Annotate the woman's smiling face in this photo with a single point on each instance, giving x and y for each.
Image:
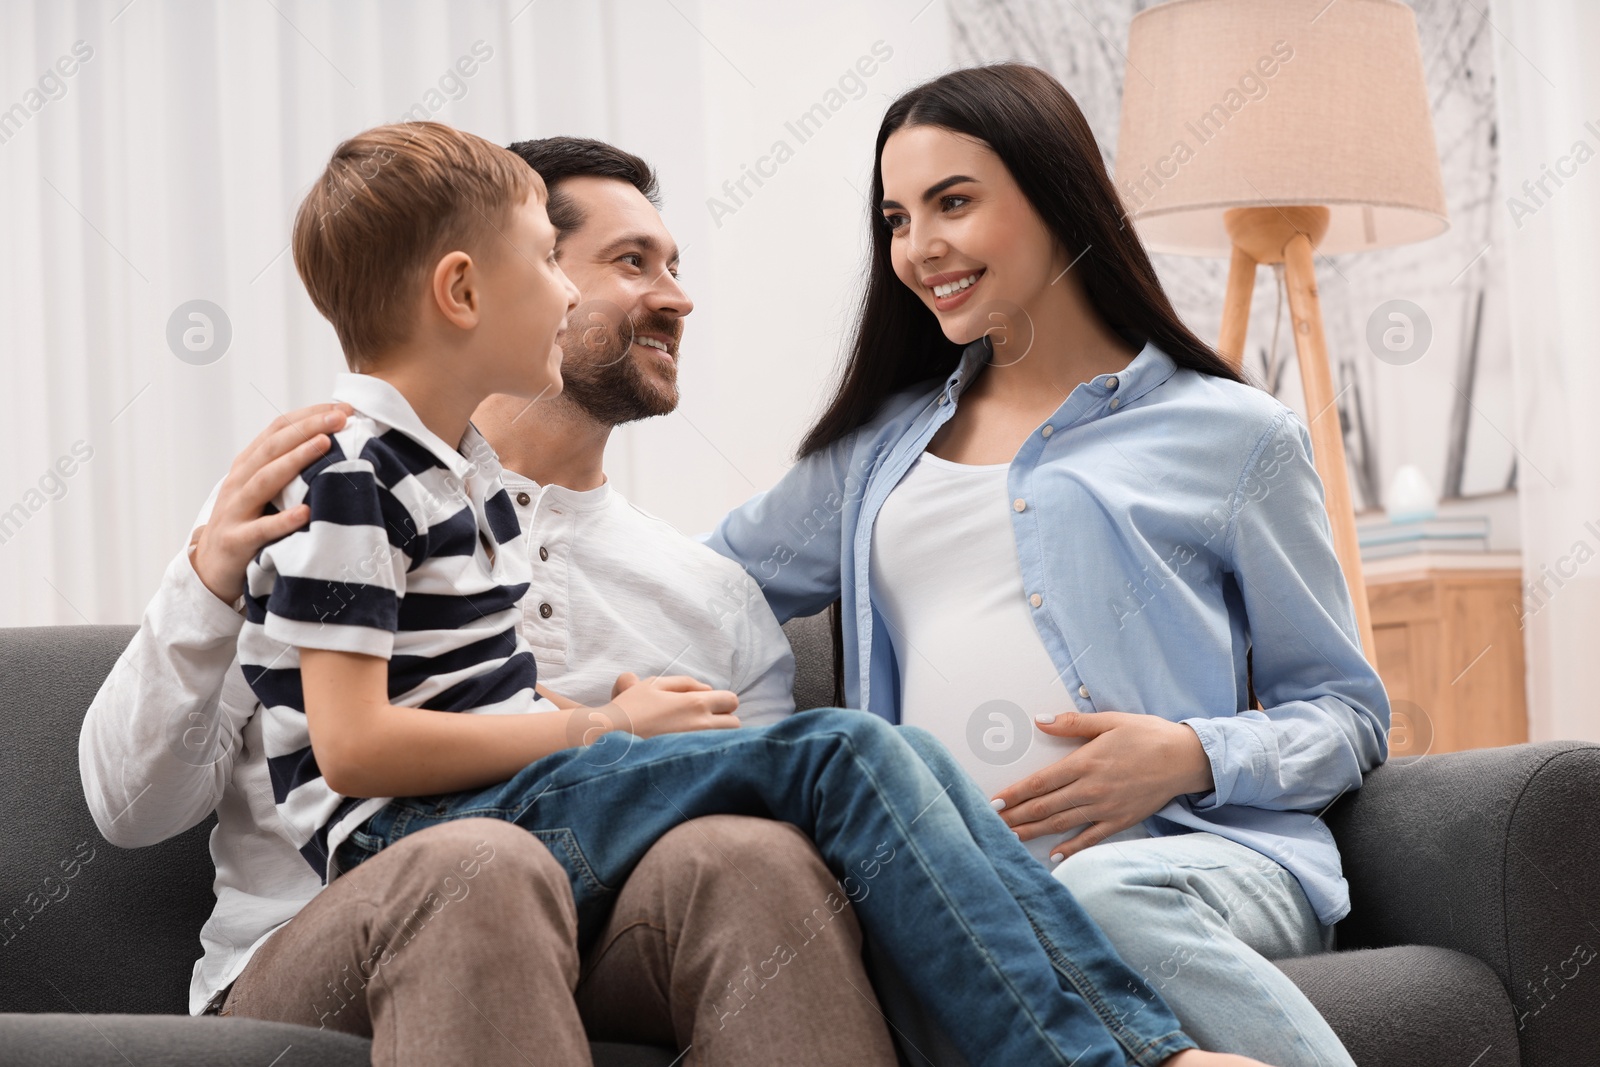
(964, 237)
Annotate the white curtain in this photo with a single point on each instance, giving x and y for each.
(1549, 91)
(161, 162)
(166, 167)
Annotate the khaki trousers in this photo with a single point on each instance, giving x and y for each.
(458, 945)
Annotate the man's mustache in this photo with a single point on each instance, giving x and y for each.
(600, 327)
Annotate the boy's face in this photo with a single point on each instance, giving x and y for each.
(526, 300)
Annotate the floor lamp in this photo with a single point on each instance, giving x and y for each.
(1275, 131)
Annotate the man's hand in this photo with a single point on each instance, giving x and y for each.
(663, 705)
(237, 529)
(1131, 766)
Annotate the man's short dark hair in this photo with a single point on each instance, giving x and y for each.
(559, 158)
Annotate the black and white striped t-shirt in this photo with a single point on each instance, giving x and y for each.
(413, 553)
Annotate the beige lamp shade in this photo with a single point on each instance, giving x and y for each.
(1255, 103)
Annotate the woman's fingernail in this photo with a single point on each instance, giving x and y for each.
(1045, 718)
(1055, 858)
(997, 804)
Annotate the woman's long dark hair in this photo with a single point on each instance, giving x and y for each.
(1036, 129)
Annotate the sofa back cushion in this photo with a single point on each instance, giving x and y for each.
(812, 640)
(84, 926)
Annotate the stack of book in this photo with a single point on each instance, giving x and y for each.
(1382, 539)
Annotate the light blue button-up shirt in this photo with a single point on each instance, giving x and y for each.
(1166, 522)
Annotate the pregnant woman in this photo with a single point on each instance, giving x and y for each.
(1066, 538)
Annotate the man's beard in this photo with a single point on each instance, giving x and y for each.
(600, 373)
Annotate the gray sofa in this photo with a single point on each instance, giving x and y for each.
(1474, 940)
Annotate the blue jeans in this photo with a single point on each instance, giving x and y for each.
(1202, 917)
(986, 938)
(1198, 916)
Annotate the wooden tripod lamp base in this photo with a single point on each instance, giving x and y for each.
(1288, 235)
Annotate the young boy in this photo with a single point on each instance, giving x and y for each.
(404, 589)
(430, 252)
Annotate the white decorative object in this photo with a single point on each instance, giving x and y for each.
(1410, 498)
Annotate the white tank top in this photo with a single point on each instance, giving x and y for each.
(973, 671)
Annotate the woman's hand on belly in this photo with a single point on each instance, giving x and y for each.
(1127, 770)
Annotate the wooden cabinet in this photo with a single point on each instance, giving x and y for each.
(1448, 642)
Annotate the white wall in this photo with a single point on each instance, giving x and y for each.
(1549, 103)
(168, 165)
(775, 279)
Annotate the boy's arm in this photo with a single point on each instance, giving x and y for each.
(564, 703)
(367, 747)
(158, 743)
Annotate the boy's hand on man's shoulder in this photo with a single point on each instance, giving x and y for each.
(670, 704)
(237, 529)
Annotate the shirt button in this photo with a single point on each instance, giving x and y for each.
(544, 553)
(1019, 504)
(1083, 691)
(1036, 600)
(1111, 382)
(1115, 403)
(545, 611)
(1048, 430)
(523, 499)
(944, 398)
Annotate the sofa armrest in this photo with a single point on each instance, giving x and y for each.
(1494, 853)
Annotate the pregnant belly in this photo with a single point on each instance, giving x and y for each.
(998, 745)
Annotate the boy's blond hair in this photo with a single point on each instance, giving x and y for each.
(390, 203)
